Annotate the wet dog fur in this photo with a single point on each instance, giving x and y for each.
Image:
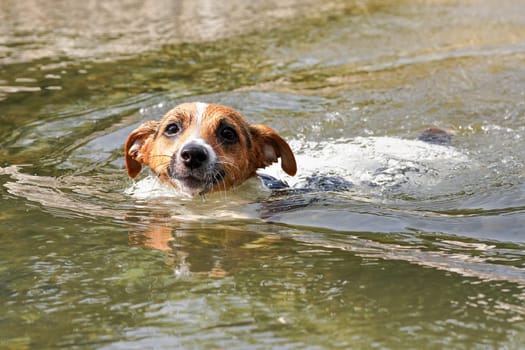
(199, 148)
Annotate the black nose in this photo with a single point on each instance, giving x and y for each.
(193, 156)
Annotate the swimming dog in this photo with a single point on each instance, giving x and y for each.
(199, 148)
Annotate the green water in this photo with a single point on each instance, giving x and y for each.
(83, 264)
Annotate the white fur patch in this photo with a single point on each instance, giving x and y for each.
(201, 108)
(195, 137)
(383, 162)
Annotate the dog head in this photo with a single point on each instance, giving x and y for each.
(199, 148)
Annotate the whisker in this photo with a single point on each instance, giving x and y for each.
(224, 189)
(223, 180)
(218, 179)
(161, 155)
(224, 192)
(161, 168)
(230, 164)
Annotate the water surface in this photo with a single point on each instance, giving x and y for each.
(434, 262)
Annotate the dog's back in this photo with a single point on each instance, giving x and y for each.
(380, 163)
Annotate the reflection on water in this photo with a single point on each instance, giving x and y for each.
(93, 29)
(425, 248)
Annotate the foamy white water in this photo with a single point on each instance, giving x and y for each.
(379, 162)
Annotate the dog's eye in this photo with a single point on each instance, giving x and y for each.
(172, 129)
(228, 134)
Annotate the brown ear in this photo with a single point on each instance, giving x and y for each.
(136, 146)
(273, 147)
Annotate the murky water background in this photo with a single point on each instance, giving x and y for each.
(435, 262)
